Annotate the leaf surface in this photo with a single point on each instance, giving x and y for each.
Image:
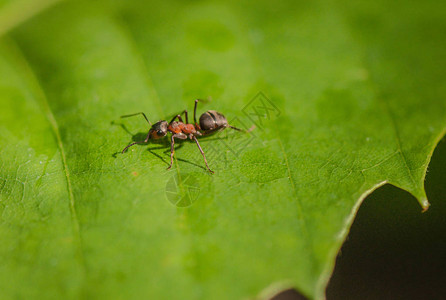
(351, 97)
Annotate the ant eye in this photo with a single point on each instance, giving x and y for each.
(160, 132)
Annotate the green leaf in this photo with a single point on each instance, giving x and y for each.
(355, 98)
(15, 12)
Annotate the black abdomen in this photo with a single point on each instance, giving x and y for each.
(212, 120)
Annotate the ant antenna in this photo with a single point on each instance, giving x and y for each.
(135, 114)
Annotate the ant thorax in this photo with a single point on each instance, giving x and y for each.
(176, 127)
(180, 127)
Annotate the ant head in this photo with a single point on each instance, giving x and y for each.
(212, 120)
(158, 130)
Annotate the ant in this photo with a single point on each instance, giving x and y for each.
(209, 122)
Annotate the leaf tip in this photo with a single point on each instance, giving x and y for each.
(424, 204)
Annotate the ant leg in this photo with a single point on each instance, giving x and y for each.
(235, 128)
(139, 113)
(195, 112)
(202, 153)
(139, 142)
(185, 115)
(179, 119)
(172, 151)
(242, 130)
(181, 136)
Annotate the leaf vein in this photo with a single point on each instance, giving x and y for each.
(43, 101)
(398, 140)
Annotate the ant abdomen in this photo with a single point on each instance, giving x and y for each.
(212, 121)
